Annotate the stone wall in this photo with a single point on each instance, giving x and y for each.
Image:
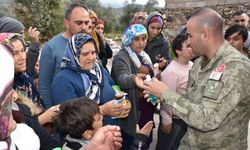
(176, 17)
(200, 3)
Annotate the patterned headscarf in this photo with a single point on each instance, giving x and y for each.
(92, 79)
(131, 32)
(6, 38)
(7, 76)
(156, 19)
(23, 82)
(128, 36)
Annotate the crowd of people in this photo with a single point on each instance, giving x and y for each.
(62, 96)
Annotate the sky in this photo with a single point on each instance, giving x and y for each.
(119, 3)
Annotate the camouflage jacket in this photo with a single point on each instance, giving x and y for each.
(217, 104)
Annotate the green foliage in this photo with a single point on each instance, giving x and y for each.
(5, 9)
(46, 15)
(128, 12)
(109, 18)
(130, 9)
(151, 6)
(104, 13)
(91, 4)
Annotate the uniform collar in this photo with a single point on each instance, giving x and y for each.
(208, 64)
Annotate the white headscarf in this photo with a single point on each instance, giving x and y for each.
(24, 138)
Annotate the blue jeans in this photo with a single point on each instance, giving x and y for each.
(172, 140)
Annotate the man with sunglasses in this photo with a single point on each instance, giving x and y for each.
(241, 17)
(76, 20)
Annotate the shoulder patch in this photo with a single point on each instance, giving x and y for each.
(218, 72)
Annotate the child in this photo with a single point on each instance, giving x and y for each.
(79, 119)
(172, 128)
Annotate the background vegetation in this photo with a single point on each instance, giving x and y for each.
(47, 15)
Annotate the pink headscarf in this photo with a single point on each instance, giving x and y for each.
(156, 19)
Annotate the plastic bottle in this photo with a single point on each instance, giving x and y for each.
(153, 99)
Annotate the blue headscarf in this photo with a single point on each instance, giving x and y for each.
(127, 38)
(131, 32)
(73, 50)
(92, 79)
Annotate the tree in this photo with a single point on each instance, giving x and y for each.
(94, 5)
(109, 17)
(46, 15)
(128, 12)
(150, 6)
(6, 9)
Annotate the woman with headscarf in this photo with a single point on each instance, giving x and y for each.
(11, 25)
(23, 80)
(7, 76)
(102, 53)
(24, 83)
(157, 46)
(107, 51)
(129, 66)
(81, 75)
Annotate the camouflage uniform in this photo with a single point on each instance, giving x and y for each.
(217, 104)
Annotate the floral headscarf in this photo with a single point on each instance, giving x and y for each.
(131, 32)
(128, 36)
(7, 76)
(6, 37)
(92, 79)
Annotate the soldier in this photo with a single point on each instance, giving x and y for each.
(216, 106)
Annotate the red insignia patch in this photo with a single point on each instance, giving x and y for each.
(220, 68)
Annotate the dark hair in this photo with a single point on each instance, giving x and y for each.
(76, 116)
(178, 41)
(16, 38)
(70, 8)
(239, 12)
(237, 28)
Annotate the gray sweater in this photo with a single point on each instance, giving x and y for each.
(123, 70)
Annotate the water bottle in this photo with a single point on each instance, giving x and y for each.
(153, 99)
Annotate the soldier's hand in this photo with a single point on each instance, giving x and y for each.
(154, 87)
(33, 35)
(166, 128)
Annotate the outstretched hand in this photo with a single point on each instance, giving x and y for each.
(146, 129)
(139, 79)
